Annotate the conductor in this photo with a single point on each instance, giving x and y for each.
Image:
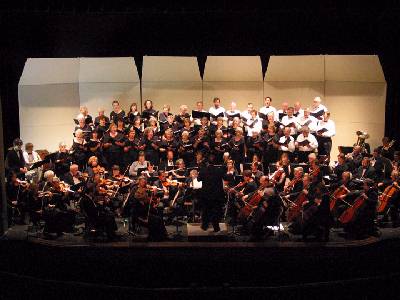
(212, 194)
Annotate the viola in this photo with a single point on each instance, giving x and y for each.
(349, 214)
(385, 197)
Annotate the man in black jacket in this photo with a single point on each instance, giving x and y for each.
(15, 161)
(212, 194)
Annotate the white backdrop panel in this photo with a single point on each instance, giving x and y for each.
(303, 91)
(240, 91)
(356, 106)
(173, 93)
(96, 95)
(46, 113)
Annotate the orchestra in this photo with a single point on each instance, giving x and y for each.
(252, 170)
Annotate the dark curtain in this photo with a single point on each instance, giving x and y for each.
(391, 68)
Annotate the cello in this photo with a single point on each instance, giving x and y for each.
(251, 204)
(295, 210)
(340, 191)
(349, 214)
(385, 197)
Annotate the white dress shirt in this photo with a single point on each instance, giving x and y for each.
(257, 125)
(216, 111)
(286, 120)
(330, 126)
(303, 120)
(266, 110)
(311, 146)
(290, 147)
(319, 108)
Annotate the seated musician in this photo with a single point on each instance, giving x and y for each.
(193, 191)
(150, 172)
(291, 121)
(57, 216)
(94, 204)
(393, 198)
(241, 194)
(16, 198)
(286, 143)
(92, 165)
(180, 172)
(362, 223)
(306, 143)
(283, 173)
(295, 186)
(255, 171)
(365, 170)
(73, 177)
(382, 165)
(314, 168)
(141, 163)
(387, 148)
(354, 158)
(341, 166)
(316, 219)
(325, 131)
(396, 161)
(307, 120)
(143, 211)
(167, 163)
(266, 213)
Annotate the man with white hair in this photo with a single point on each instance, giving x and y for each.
(307, 120)
(231, 113)
(298, 111)
(317, 109)
(306, 143)
(286, 143)
(283, 111)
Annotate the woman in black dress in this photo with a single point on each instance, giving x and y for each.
(150, 145)
(238, 149)
(112, 145)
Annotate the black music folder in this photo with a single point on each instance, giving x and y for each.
(200, 114)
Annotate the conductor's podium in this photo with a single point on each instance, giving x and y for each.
(196, 234)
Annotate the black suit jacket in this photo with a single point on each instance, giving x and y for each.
(213, 189)
(369, 173)
(13, 162)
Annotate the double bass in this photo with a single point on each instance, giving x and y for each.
(385, 197)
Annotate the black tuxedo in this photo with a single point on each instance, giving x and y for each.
(14, 161)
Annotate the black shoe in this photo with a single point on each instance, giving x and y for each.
(204, 228)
